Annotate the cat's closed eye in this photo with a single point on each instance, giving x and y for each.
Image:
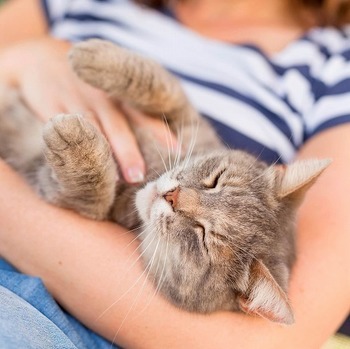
(212, 182)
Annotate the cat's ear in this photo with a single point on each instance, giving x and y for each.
(295, 179)
(264, 297)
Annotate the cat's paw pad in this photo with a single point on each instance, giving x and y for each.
(69, 138)
(64, 131)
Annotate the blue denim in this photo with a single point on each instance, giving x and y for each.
(31, 319)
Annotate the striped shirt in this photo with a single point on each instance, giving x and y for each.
(267, 105)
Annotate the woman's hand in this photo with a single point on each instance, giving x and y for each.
(40, 70)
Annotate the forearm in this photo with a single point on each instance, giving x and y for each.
(88, 263)
(87, 267)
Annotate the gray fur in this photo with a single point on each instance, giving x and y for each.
(216, 227)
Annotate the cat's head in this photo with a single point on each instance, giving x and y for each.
(219, 232)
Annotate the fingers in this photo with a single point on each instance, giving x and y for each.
(49, 87)
(56, 90)
(75, 103)
(72, 96)
(159, 128)
(122, 140)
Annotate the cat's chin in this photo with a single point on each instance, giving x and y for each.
(145, 198)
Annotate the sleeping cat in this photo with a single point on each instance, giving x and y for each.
(217, 227)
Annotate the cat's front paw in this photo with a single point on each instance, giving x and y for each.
(81, 165)
(67, 130)
(72, 142)
(95, 62)
(66, 138)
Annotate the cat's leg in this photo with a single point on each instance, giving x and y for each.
(80, 173)
(130, 77)
(20, 133)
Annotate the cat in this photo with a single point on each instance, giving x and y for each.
(217, 227)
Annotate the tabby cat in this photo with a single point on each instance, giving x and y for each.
(217, 226)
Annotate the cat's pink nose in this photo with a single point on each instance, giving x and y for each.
(171, 196)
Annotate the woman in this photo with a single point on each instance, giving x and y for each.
(290, 83)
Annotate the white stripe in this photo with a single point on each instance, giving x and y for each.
(240, 117)
(336, 70)
(298, 90)
(228, 73)
(331, 38)
(326, 109)
(301, 53)
(56, 8)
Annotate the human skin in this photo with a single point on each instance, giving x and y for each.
(84, 263)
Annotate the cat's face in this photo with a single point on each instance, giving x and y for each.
(207, 223)
(213, 214)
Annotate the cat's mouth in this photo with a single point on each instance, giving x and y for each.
(150, 202)
(145, 199)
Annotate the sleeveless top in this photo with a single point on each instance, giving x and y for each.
(267, 105)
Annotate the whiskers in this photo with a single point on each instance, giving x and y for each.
(186, 136)
(194, 136)
(169, 140)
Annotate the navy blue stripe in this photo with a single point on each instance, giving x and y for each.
(274, 118)
(285, 99)
(345, 327)
(46, 11)
(346, 54)
(335, 121)
(84, 37)
(261, 54)
(168, 12)
(324, 50)
(303, 69)
(88, 17)
(236, 140)
(339, 88)
(320, 89)
(78, 38)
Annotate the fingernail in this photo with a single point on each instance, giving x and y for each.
(135, 175)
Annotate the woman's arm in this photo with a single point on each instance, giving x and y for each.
(87, 267)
